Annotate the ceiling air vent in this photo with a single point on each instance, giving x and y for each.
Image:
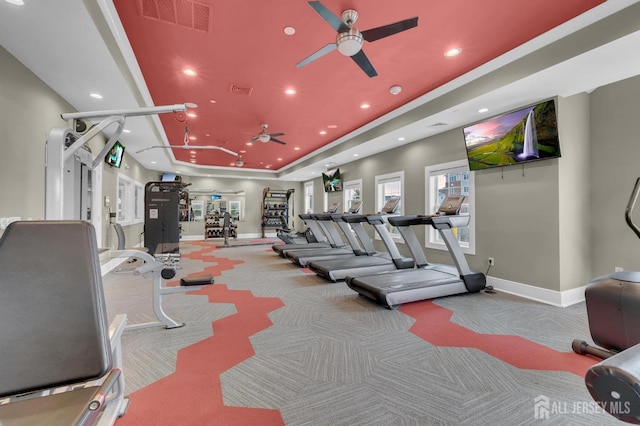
(440, 124)
(240, 90)
(185, 13)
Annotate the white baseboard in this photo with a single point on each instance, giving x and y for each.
(192, 238)
(550, 297)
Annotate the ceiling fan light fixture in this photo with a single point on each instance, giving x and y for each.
(264, 137)
(349, 42)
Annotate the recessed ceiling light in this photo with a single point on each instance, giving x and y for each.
(290, 91)
(153, 162)
(189, 72)
(192, 138)
(268, 166)
(212, 101)
(289, 30)
(453, 52)
(481, 110)
(16, 2)
(356, 155)
(192, 115)
(96, 95)
(279, 159)
(400, 138)
(323, 132)
(297, 148)
(126, 131)
(395, 89)
(332, 126)
(242, 151)
(365, 106)
(249, 143)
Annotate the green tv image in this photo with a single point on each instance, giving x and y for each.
(528, 134)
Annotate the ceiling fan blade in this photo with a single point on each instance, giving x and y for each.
(326, 49)
(377, 33)
(276, 134)
(337, 23)
(253, 139)
(363, 62)
(277, 141)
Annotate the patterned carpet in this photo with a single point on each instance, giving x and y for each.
(270, 343)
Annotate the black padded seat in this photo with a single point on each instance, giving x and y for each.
(54, 325)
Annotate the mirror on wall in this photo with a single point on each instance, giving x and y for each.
(218, 201)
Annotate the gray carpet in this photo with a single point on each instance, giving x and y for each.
(333, 358)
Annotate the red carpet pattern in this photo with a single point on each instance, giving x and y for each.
(194, 395)
(514, 350)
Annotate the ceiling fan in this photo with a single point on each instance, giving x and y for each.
(349, 39)
(187, 146)
(265, 136)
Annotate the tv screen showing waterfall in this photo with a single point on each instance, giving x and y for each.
(528, 134)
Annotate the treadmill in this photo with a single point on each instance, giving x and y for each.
(321, 237)
(303, 257)
(331, 238)
(428, 281)
(338, 269)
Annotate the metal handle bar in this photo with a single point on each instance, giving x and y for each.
(630, 205)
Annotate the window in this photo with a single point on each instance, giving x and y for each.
(234, 210)
(138, 215)
(130, 206)
(125, 200)
(390, 186)
(450, 179)
(308, 197)
(352, 193)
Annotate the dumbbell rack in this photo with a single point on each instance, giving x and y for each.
(213, 227)
(275, 208)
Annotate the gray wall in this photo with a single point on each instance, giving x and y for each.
(615, 165)
(28, 109)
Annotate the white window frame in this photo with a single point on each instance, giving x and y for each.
(348, 187)
(381, 179)
(236, 206)
(129, 209)
(431, 199)
(308, 196)
(138, 214)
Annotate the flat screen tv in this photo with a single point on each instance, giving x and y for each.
(528, 134)
(114, 157)
(168, 177)
(332, 180)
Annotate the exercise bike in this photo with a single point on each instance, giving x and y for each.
(613, 310)
(613, 305)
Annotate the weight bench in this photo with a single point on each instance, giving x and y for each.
(60, 362)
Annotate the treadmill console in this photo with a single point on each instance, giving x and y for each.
(451, 205)
(391, 206)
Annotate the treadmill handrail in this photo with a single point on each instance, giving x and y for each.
(354, 218)
(630, 206)
(448, 221)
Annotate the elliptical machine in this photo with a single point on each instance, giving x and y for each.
(613, 305)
